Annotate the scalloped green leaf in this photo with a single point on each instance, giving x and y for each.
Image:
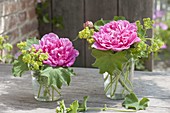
(107, 61)
(58, 76)
(19, 67)
(73, 107)
(131, 102)
(143, 103)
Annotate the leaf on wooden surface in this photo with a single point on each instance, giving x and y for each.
(131, 102)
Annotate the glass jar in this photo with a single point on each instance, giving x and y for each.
(118, 85)
(42, 91)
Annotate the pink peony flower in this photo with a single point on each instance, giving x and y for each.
(61, 51)
(116, 36)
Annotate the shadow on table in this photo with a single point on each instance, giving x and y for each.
(152, 84)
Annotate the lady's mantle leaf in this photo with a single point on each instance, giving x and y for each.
(73, 107)
(131, 102)
(143, 103)
(57, 76)
(107, 61)
(19, 67)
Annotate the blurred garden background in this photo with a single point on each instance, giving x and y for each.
(161, 15)
(22, 19)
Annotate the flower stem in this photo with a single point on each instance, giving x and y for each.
(39, 91)
(56, 90)
(124, 85)
(52, 94)
(110, 84)
(104, 109)
(116, 84)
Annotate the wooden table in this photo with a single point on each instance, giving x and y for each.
(16, 93)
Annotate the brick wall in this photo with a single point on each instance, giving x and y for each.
(18, 20)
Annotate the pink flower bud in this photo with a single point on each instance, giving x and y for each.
(88, 24)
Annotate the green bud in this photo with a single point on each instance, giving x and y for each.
(24, 51)
(36, 66)
(33, 49)
(1, 39)
(148, 23)
(26, 58)
(39, 63)
(21, 45)
(43, 56)
(8, 46)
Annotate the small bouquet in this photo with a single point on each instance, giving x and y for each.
(115, 45)
(49, 60)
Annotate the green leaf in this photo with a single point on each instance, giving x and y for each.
(19, 67)
(107, 61)
(30, 42)
(73, 107)
(83, 105)
(58, 76)
(99, 23)
(62, 107)
(46, 18)
(143, 103)
(131, 102)
(119, 18)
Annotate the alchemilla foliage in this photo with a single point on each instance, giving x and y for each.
(5, 50)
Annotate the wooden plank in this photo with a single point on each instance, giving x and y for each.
(72, 12)
(45, 28)
(136, 10)
(95, 10)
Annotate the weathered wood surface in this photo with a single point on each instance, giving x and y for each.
(16, 94)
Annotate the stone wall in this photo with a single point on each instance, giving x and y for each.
(18, 20)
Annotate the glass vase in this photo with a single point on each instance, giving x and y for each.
(42, 91)
(118, 85)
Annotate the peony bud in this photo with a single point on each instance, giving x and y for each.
(88, 24)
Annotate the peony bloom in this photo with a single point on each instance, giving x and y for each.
(116, 36)
(60, 50)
